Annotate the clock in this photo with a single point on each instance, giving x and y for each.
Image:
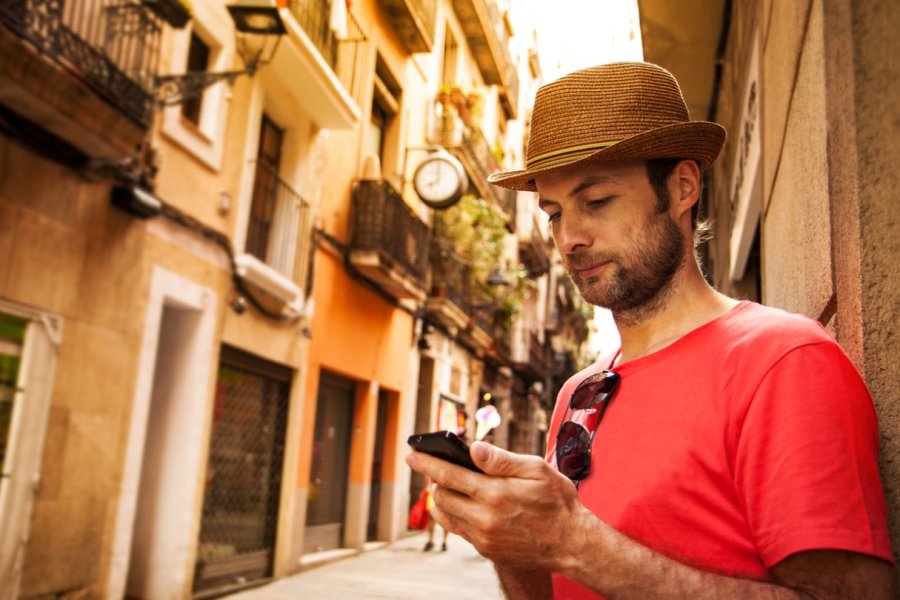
(440, 180)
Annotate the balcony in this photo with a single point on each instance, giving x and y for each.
(389, 243)
(448, 302)
(106, 48)
(537, 353)
(414, 21)
(488, 37)
(326, 63)
(528, 353)
(533, 253)
(455, 129)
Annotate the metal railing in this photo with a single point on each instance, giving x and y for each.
(111, 45)
(536, 353)
(383, 223)
(452, 130)
(450, 275)
(505, 64)
(342, 55)
(280, 228)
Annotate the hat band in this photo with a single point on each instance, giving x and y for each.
(565, 155)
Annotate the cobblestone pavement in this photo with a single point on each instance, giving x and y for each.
(399, 571)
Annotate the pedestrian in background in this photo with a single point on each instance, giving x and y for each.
(429, 505)
(727, 449)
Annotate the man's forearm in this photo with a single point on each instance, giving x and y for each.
(633, 571)
(524, 584)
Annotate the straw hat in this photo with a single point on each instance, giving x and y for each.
(613, 112)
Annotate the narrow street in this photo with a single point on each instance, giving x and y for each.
(400, 570)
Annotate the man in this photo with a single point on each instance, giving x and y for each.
(727, 449)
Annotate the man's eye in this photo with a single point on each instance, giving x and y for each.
(600, 202)
(553, 217)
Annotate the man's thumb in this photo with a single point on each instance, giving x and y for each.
(496, 461)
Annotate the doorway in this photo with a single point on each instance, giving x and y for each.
(244, 474)
(327, 503)
(377, 466)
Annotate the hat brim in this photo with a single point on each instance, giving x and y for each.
(698, 140)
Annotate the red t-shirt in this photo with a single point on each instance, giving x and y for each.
(749, 439)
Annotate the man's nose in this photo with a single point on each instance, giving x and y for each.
(571, 235)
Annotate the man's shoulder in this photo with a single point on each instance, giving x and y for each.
(752, 324)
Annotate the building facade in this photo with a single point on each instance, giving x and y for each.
(223, 305)
(804, 196)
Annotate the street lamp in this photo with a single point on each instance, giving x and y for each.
(257, 28)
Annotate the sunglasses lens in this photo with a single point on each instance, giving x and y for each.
(594, 390)
(573, 451)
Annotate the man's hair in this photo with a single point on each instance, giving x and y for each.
(658, 172)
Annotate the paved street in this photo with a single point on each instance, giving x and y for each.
(399, 571)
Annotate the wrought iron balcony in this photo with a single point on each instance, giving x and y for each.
(533, 253)
(537, 353)
(340, 54)
(414, 21)
(450, 292)
(389, 243)
(111, 45)
(488, 37)
(455, 129)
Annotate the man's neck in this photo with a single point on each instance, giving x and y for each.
(690, 303)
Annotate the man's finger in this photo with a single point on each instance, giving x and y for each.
(502, 463)
(444, 473)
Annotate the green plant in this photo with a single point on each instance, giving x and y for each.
(476, 229)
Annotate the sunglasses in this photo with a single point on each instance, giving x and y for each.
(573, 442)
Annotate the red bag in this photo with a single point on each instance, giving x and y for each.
(418, 514)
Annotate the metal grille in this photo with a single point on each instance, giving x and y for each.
(382, 222)
(111, 45)
(243, 482)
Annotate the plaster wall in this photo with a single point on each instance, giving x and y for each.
(796, 234)
(877, 81)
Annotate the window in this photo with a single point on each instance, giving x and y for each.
(382, 137)
(375, 136)
(29, 342)
(265, 189)
(198, 61)
(12, 334)
(451, 52)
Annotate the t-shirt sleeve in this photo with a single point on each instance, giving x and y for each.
(806, 465)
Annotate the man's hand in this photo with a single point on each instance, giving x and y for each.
(513, 514)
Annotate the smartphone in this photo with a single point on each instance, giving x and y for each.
(445, 445)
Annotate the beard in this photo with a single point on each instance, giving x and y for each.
(642, 274)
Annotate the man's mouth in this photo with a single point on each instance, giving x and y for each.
(591, 270)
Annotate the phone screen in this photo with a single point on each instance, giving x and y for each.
(445, 445)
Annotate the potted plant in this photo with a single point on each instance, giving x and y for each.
(174, 12)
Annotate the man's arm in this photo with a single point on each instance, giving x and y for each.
(524, 583)
(526, 517)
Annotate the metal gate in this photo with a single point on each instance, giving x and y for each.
(243, 481)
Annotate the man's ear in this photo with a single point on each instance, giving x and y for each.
(684, 188)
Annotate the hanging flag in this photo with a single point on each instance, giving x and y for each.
(338, 19)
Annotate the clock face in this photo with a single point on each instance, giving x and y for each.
(438, 182)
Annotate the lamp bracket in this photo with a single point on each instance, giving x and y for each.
(175, 89)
